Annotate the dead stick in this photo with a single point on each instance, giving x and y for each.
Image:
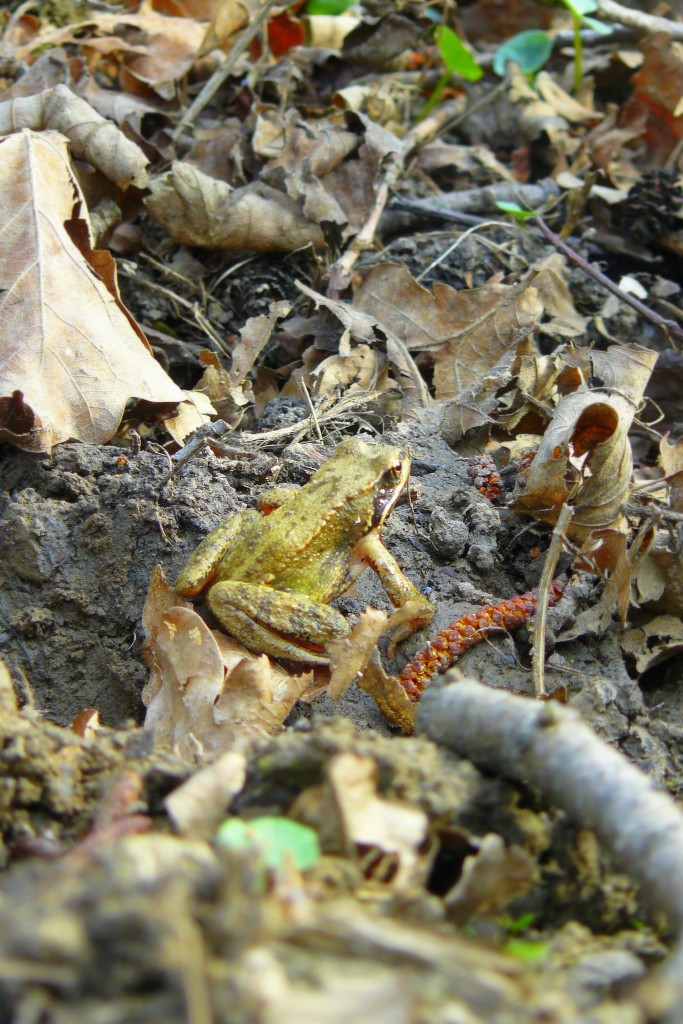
(639, 20)
(668, 326)
(552, 555)
(340, 272)
(549, 747)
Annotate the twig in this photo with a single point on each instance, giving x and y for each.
(340, 272)
(668, 326)
(551, 558)
(224, 71)
(639, 20)
(548, 746)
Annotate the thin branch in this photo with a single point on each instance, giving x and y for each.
(394, 163)
(549, 747)
(551, 558)
(639, 20)
(224, 71)
(668, 326)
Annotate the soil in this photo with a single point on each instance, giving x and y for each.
(141, 927)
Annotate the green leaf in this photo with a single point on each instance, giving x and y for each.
(277, 839)
(456, 56)
(581, 7)
(529, 50)
(598, 26)
(526, 949)
(328, 6)
(518, 212)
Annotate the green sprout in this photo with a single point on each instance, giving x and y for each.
(518, 212)
(457, 60)
(528, 50)
(578, 10)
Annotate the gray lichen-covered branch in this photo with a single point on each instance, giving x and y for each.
(547, 746)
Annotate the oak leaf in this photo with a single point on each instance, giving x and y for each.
(71, 355)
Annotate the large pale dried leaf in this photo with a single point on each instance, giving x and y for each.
(198, 210)
(91, 136)
(71, 355)
(468, 331)
(585, 457)
(207, 694)
(369, 821)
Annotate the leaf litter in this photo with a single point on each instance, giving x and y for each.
(242, 166)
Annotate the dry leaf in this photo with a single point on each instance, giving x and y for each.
(390, 696)
(194, 410)
(198, 806)
(71, 355)
(230, 17)
(164, 49)
(585, 456)
(91, 136)
(369, 821)
(198, 210)
(654, 642)
(468, 331)
(349, 655)
(207, 694)
(491, 879)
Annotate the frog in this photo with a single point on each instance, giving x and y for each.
(269, 574)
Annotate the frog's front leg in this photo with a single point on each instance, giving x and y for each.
(203, 563)
(397, 585)
(276, 622)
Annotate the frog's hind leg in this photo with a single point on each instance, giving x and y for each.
(283, 624)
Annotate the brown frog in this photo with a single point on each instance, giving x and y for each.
(271, 574)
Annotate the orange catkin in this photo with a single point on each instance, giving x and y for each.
(460, 635)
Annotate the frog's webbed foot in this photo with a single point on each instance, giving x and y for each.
(276, 622)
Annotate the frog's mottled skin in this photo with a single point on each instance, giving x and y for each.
(270, 576)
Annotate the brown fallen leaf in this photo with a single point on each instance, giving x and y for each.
(491, 879)
(198, 210)
(91, 136)
(71, 355)
(230, 17)
(467, 331)
(584, 457)
(207, 694)
(165, 48)
(653, 642)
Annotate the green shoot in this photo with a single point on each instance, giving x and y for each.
(528, 50)
(578, 10)
(519, 213)
(457, 60)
